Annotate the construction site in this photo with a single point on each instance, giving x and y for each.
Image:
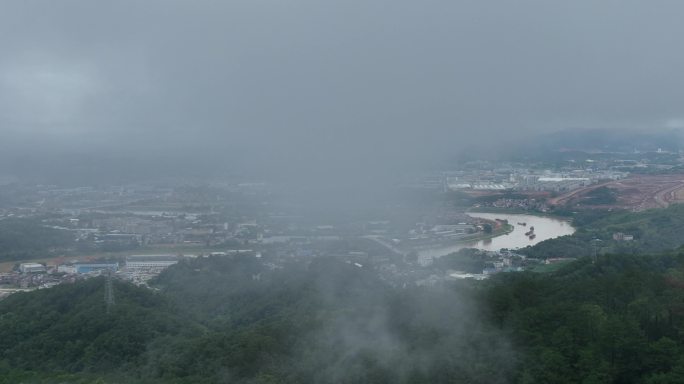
(636, 193)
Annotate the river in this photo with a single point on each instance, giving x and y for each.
(544, 227)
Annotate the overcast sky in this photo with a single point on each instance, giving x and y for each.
(327, 84)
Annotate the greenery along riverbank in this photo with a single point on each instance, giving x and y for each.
(618, 320)
(488, 233)
(653, 231)
(518, 211)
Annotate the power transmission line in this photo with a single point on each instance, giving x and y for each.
(109, 291)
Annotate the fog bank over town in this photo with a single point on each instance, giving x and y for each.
(341, 191)
(339, 91)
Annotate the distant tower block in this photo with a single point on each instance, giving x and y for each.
(109, 291)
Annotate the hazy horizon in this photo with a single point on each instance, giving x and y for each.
(332, 91)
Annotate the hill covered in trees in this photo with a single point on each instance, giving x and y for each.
(654, 231)
(618, 320)
(222, 320)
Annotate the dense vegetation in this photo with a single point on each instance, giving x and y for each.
(620, 320)
(221, 320)
(469, 260)
(617, 320)
(22, 239)
(654, 231)
(64, 330)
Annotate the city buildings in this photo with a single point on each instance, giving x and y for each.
(32, 268)
(146, 262)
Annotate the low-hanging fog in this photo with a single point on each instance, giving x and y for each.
(337, 100)
(346, 92)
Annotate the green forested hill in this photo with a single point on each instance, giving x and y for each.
(220, 320)
(654, 231)
(328, 322)
(619, 320)
(67, 330)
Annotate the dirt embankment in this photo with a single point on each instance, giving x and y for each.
(635, 193)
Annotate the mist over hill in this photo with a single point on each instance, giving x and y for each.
(284, 169)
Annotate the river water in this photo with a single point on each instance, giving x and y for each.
(544, 227)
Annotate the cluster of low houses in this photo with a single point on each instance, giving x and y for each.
(137, 268)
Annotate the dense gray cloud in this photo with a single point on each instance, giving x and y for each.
(322, 86)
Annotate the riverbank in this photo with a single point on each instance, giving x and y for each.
(546, 227)
(517, 211)
(504, 230)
